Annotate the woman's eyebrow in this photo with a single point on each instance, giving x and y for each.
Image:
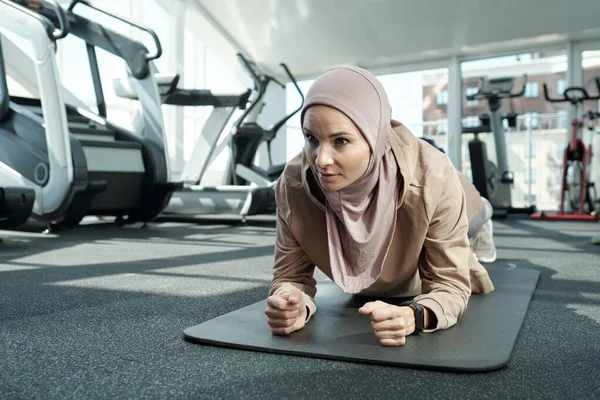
(337, 134)
(331, 135)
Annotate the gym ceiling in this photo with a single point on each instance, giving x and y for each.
(314, 35)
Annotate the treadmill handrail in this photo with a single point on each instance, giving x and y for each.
(282, 122)
(246, 64)
(134, 53)
(261, 82)
(258, 84)
(149, 56)
(63, 31)
(131, 51)
(53, 33)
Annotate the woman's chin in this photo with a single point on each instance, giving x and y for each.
(332, 187)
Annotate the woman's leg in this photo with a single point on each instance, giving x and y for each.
(480, 219)
(481, 234)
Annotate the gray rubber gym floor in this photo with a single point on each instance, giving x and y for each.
(98, 312)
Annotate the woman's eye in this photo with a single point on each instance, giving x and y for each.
(341, 141)
(310, 138)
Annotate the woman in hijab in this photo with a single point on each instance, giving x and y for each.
(377, 210)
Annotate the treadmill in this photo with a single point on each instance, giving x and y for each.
(77, 162)
(16, 203)
(194, 199)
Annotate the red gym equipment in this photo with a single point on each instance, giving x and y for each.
(577, 158)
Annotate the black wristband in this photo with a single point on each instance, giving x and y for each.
(419, 315)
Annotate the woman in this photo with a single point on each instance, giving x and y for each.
(378, 211)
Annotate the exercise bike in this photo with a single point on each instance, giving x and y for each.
(493, 181)
(576, 188)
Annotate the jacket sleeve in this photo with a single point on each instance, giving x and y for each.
(293, 268)
(444, 261)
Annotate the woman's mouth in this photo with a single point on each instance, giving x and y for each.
(329, 178)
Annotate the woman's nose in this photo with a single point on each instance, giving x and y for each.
(323, 158)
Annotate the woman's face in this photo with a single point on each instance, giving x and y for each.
(335, 147)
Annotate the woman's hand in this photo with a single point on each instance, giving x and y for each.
(391, 324)
(286, 313)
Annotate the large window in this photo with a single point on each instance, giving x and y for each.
(415, 98)
(547, 118)
(418, 99)
(591, 72)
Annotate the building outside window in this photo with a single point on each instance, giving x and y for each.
(535, 120)
(562, 120)
(471, 121)
(471, 91)
(442, 126)
(532, 89)
(526, 175)
(561, 85)
(533, 151)
(530, 200)
(442, 98)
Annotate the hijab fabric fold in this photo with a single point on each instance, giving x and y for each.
(361, 218)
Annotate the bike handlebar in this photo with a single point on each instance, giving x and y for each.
(568, 94)
(496, 92)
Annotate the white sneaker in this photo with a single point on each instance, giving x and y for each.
(596, 239)
(482, 244)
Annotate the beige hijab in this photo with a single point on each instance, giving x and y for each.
(361, 218)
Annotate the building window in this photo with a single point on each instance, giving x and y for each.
(533, 151)
(561, 85)
(558, 175)
(471, 121)
(526, 175)
(471, 91)
(530, 199)
(442, 98)
(535, 120)
(532, 89)
(442, 126)
(562, 119)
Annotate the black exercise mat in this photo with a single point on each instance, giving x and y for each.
(482, 340)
